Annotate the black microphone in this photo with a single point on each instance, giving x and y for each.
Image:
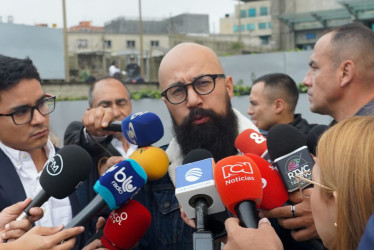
(289, 153)
(313, 137)
(61, 175)
(115, 126)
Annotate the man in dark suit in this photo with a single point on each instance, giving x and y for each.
(24, 143)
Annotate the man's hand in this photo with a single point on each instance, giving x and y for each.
(264, 237)
(302, 225)
(11, 229)
(106, 163)
(46, 238)
(188, 221)
(95, 119)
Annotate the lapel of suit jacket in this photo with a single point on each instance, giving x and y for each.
(10, 183)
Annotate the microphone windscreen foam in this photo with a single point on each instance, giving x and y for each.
(142, 128)
(313, 137)
(274, 193)
(120, 183)
(238, 179)
(197, 155)
(251, 141)
(153, 160)
(283, 139)
(126, 226)
(65, 170)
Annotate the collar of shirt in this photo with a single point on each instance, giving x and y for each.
(117, 144)
(18, 157)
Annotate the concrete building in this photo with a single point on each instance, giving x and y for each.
(294, 24)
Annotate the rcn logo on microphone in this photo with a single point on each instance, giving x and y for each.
(116, 218)
(240, 171)
(55, 165)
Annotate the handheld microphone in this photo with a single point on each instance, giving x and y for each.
(61, 175)
(287, 148)
(126, 226)
(114, 188)
(194, 183)
(239, 184)
(153, 160)
(115, 126)
(274, 193)
(313, 137)
(251, 141)
(142, 128)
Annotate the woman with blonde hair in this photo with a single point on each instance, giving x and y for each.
(343, 196)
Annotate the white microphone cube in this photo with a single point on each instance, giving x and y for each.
(195, 180)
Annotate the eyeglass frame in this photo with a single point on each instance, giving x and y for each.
(300, 178)
(213, 76)
(36, 106)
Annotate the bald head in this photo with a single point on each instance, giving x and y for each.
(188, 59)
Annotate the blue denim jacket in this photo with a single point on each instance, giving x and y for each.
(167, 229)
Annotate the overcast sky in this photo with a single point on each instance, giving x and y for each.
(100, 11)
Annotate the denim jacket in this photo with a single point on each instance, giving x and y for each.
(167, 229)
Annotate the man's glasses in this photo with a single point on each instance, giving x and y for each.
(304, 182)
(25, 114)
(203, 85)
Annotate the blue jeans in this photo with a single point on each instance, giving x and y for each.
(167, 229)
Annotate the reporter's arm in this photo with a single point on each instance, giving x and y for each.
(262, 238)
(39, 238)
(11, 229)
(302, 226)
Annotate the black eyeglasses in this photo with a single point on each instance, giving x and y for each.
(203, 85)
(25, 114)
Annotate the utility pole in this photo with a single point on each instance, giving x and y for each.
(240, 24)
(66, 51)
(141, 39)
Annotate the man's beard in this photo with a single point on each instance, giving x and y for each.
(217, 135)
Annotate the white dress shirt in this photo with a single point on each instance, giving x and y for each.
(56, 212)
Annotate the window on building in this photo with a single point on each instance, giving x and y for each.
(130, 44)
(251, 26)
(269, 25)
(264, 11)
(242, 27)
(261, 26)
(154, 44)
(243, 14)
(265, 40)
(252, 12)
(310, 36)
(236, 28)
(82, 43)
(108, 44)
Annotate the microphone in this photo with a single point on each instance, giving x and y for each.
(239, 184)
(313, 137)
(251, 141)
(287, 148)
(142, 128)
(274, 193)
(126, 226)
(61, 175)
(197, 194)
(194, 183)
(154, 161)
(115, 126)
(114, 188)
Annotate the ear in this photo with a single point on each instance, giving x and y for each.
(347, 71)
(229, 86)
(279, 106)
